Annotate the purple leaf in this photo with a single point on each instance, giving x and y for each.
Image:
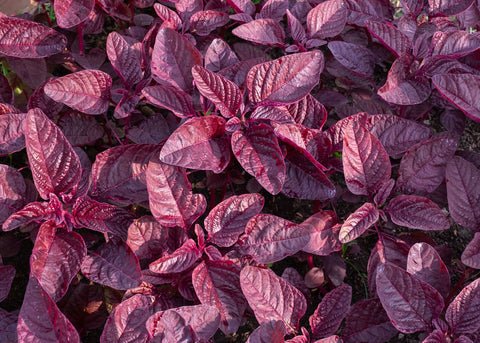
(394, 39)
(101, 217)
(55, 165)
(7, 273)
(152, 130)
(422, 168)
(327, 19)
(180, 260)
(170, 98)
(384, 192)
(227, 220)
(169, 327)
(119, 173)
(79, 128)
(173, 58)
(269, 238)
(362, 10)
(12, 197)
(358, 222)
(417, 212)
(8, 326)
(272, 298)
(447, 7)
(462, 313)
(410, 303)
(217, 284)
(453, 88)
(258, 152)
(471, 254)
(242, 6)
(337, 131)
(309, 112)
(286, 79)
(330, 312)
(7, 109)
(323, 233)
(454, 44)
(274, 9)
(271, 332)
(87, 91)
(296, 28)
(204, 22)
(166, 14)
(225, 94)
(114, 265)
(56, 258)
(6, 92)
(39, 99)
(147, 238)
(70, 13)
(27, 39)
(40, 320)
(354, 57)
(296, 135)
(12, 127)
(425, 263)
(367, 322)
(219, 55)
(172, 202)
(124, 59)
(261, 31)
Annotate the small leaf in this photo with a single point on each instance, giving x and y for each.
(327, 19)
(471, 254)
(219, 55)
(171, 98)
(261, 31)
(358, 222)
(462, 313)
(79, 128)
(12, 127)
(13, 194)
(180, 260)
(7, 274)
(70, 13)
(323, 233)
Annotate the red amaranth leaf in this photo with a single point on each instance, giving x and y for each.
(166, 13)
(124, 59)
(13, 195)
(219, 55)
(323, 233)
(358, 222)
(147, 238)
(171, 98)
(204, 22)
(390, 36)
(12, 127)
(261, 31)
(462, 313)
(70, 13)
(354, 57)
(447, 7)
(180, 260)
(471, 254)
(454, 44)
(7, 273)
(79, 128)
(327, 19)
(272, 331)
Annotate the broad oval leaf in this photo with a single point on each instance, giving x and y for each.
(394, 39)
(170, 327)
(219, 55)
(199, 143)
(354, 57)
(217, 284)
(286, 79)
(261, 31)
(362, 10)
(27, 39)
(147, 238)
(114, 265)
(204, 22)
(309, 112)
(358, 222)
(12, 127)
(447, 7)
(272, 297)
(180, 260)
(79, 128)
(39, 99)
(227, 220)
(471, 254)
(272, 331)
(12, 191)
(323, 233)
(87, 91)
(166, 14)
(410, 303)
(171, 98)
(462, 313)
(70, 13)
(124, 59)
(269, 238)
(55, 166)
(454, 44)
(327, 19)
(56, 258)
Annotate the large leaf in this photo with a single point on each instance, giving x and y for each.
(13, 191)
(217, 283)
(454, 88)
(286, 79)
(87, 91)
(70, 13)
(410, 303)
(327, 19)
(417, 212)
(272, 297)
(358, 222)
(261, 31)
(199, 143)
(27, 39)
(172, 202)
(219, 55)
(204, 22)
(471, 254)
(394, 39)
(12, 139)
(166, 13)
(180, 260)
(113, 264)
(170, 327)
(362, 10)
(323, 233)
(56, 258)
(147, 238)
(354, 57)
(172, 98)
(39, 99)
(124, 59)
(272, 332)
(173, 58)
(454, 44)
(258, 152)
(79, 128)
(227, 220)
(40, 320)
(54, 164)
(462, 313)
(448, 7)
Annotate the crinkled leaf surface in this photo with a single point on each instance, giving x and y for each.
(271, 332)
(170, 327)
(454, 44)
(462, 313)
(180, 260)
(87, 91)
(12, 191)
(170, 98)
(394, 39)
(323, 233)
(261, 31)
(272, 298)
(70, 13)
(447, 7)
(147, 238)
(471, 254)
(79, 128)
(12, 139)
(358, 222)
(204, 22)
(124, 59)
(354, 57)
(286, 79)
(327, 19)
(219, 55)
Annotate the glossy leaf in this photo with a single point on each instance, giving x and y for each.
(39, 99)
(204, 22)
(261, 31)
(166, 14)
(327, 19)
(147, 238)
(70, 13)
(170, 98)
(219, 55)
(471, 254)
(309, 112)
(271, 332)
(462, 313)
(362, 10)
(354, 57)
(358, 222)
(447, 7)
(180, 260)
(12, 137)
(124, 59)
(454, 44)
(13, 191)
(323, 233)
(274, 9)
(390, 36)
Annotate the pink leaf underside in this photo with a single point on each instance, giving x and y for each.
(454, 43)
(199, 143)
(422, 168)
(366, 164)
(286, 79)
(14, 191)
(79, 128)
(124, 59)
(269, 238)
(358, 222)
(397, 134)
(40, 320)
(462, 313)
(225, 94)
(272, 298)
(258, 152)
(7, 273)
(87, 91)
(55, 165)
(70, 13)
(261, 31)
(425, 263)
(272, 331)
(219, 55)
(394, 39)
(454, 88)
(101, 217)
(471, 254)
(56, 258)
(367, 321)
(417, 212)
(171, 98)
(327, 19)
(147, 238)
(323, 233)
(227, 220)
(217, 284)
(114, 265)
(204, 22)
(118, 173)
(172, 202)
(173, 58)
(411, 304)
(296, 135)
(401, 87)
(171, 327)
(330, 312)
(27, 39)
(180, 260)
(354, 57)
